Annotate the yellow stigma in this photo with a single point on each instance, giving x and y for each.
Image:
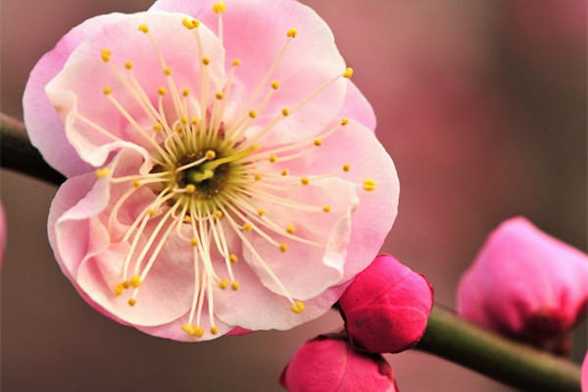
(297, 307)
(161, 91)
(214, 330)
(190, 188)
(290, 229)
(105, 55)
(219, 8)
(128, 65)
(132, 301)
(369, 184)
(273, 158)
(275, 85)
(284, 172)
(103, 172)
(223, 284)
(194, 241)
(190, 23)
(305, 181)
(210, 154)
(233, 258)
(247, 227)
(118, 290)
(186, 92)
(346, 168)
(167, 71)
(236, 62)
(283, 247)
(317, 142)
(235, 285)
(107, 90)
(348, 73)
(344, 121)
(135, 281)
(219, 96)
(327, 208)
(285, 112)
(292, 33)
(205, 60)
(252, 113)
(143, 28)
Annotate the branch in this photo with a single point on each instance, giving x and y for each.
(17, 153)
(509, 362)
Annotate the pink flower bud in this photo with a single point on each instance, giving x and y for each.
(526, 284)
(387, 306)
(327, 364)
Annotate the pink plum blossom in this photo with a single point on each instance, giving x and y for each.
(525, 284)
(223, 169)
(387, 306)
(329, 364)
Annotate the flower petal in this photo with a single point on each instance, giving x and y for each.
(358, 108)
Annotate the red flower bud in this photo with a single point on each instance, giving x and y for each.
(327, 364)
(527, 285)
(387, 306)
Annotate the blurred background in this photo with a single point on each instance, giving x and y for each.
(482, 105)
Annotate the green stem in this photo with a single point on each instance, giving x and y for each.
(17, 153)
(509, 362)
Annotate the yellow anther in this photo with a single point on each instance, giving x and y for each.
(290, 229)
(105, 55)
(184, 120)
(119, 289)
(275, 85)
(132, 301)
(129, 65)
(187, 219)
(346, 167)
(167, 71)
(348, 73)
(205, 60)
(247, 227)
(344, 121)
(197, 331)
(126, 284)
(190, 188)
(235, 285)
(194, 241)
(152, 212)
(157, 127)
(233, 258)
(186, 92)
(161, 91)
(297, 307)
(135, 281)
(327, 208)
(194, 121)
(210, 154)
(223, 284)
(143, 28)
(257, 177)
(219, 8)
(273, 158)
(369, 185)
(285, 112)
(190, 23)
(219, 96)
(261, 212)
(236, 62)
(218, 214)
(107, 90)
(284, 172)
(317, 142)
(136, 184)
(292, 33)
(103, 172)
(214, 330)
(283, 247)
(252, 113)
(305, 181)
(188, 329)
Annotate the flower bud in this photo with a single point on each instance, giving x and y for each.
(527, 285)
(387, 306)
(329, 364)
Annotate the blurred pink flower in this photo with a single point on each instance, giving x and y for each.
(387, 306)
(330, 364)
(525, 284)
(585, 374)
(232, 166)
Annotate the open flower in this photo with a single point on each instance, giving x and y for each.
(387, 306)
(526, 284)
(329, 364)
(233, 165)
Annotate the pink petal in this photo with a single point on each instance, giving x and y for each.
(331, 365)
(254, 32)
(306, 270)
(358, 108)
(78, 88)
(44, 126)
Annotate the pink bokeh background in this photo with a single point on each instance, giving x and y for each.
(482, 105)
